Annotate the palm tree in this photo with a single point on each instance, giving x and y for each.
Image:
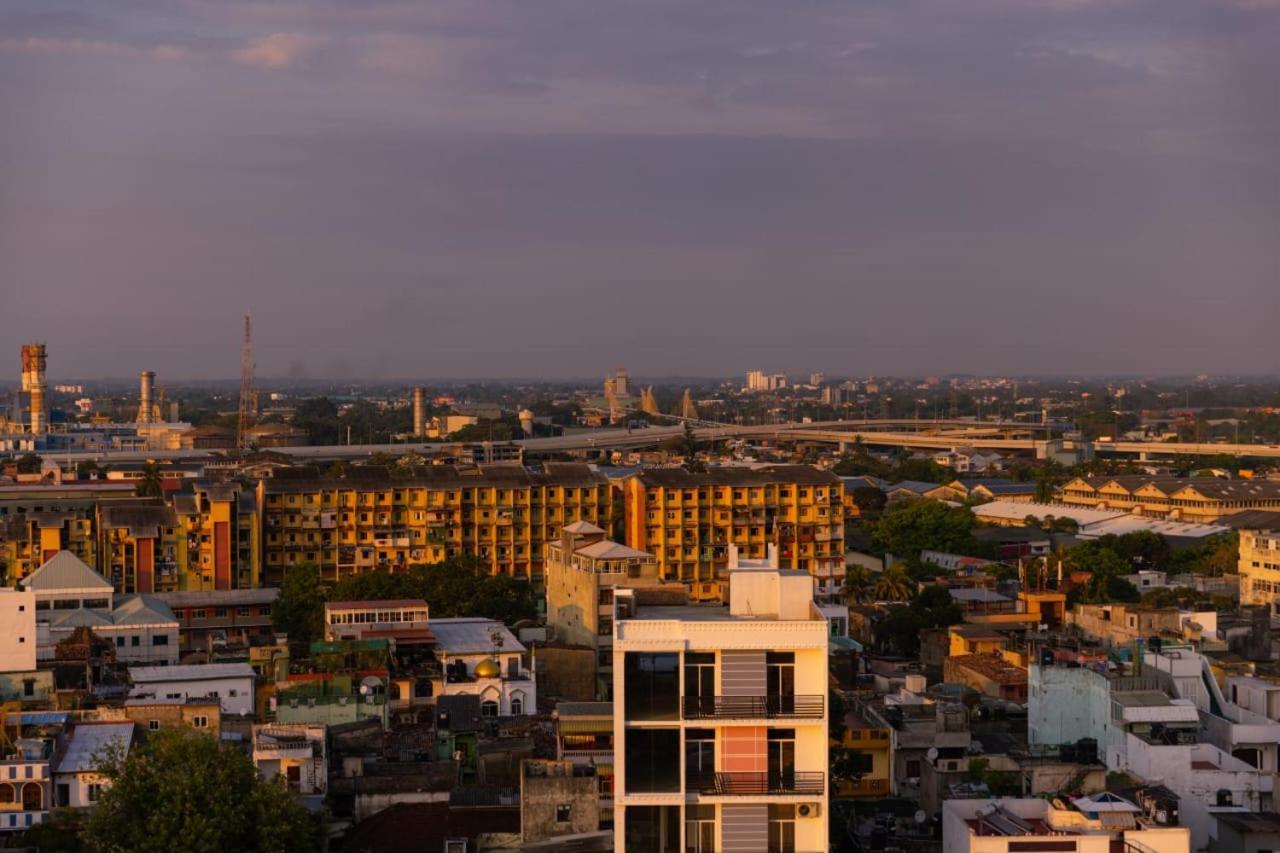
(150, 485)
(857, 584)
(894, 585)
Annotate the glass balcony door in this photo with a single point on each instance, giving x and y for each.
(780, 682)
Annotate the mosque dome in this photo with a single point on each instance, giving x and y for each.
(488, 668)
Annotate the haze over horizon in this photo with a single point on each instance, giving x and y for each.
(494, 189)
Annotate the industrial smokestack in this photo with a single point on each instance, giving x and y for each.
(34, 361)
(419, 411)
(146, 379)
(526, 423)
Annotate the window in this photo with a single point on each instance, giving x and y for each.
(93, 791)
(699, 683)
(200, 722)
(160, 640)
(699, 757)
(242, 611)
(119, 642)
(700, 829)
(135, 640)
(199, 614)
(153, 725)
(652, 686)
(517, 704)
(653, 761)
(28, 687)
(488, 708)
(652, 829)
(782, 828)
(563, 812)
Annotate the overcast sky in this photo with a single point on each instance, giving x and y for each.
(556, 187)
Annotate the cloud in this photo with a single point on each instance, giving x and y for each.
(279, 51)
(42, 46)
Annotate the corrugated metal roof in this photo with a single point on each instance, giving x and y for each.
(195, 672)
(87, 742)
(472, 636)
(64, 570)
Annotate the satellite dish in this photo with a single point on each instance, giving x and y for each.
(932, 754)
(921, 817)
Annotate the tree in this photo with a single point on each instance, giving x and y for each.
(914, 526)
(459, 586)
(182, 788)
(894, 585)
(86, 469)
(900, 629)
(1107, 570)
(318, 418)
(857, 584)
(150, 485)
(29, 463)
(869, 500)
(299, 609)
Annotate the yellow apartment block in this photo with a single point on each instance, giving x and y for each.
(1202, 499)
(502, 514)
(1259, 559)
(687, 521)
(220, 543)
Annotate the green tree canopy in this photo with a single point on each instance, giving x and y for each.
(899, 631)
(299, 609)
(150, 485)
(910, 527)
(181, 789)
(29, 463)
(459, 586)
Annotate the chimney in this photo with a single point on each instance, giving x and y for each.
(145, 380)
(419, 411)
(33, 382)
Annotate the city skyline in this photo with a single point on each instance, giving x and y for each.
(394, 190)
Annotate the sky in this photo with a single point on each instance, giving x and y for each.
(494, 188)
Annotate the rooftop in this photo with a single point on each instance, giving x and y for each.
(680, 478)
(64, 570)
(219, 597)
(194, 672)
(375, 604)
(473, 636)
(995, 668)
(88, 740)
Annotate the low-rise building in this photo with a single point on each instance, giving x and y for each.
(1009, 825)
(17, 630)
(989, 674)
(481, 657)
(585, 736)
(232, 684)
(152, 715)
(77, 780)
(70, 595)
(402, 621)
(557, 798)
(211, 619)
(297, 753)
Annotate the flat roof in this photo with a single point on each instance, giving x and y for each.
(218, 597)
(706, 613)
(374, 604)
(191, 672)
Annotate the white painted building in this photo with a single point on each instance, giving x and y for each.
(720, 719)
(69, 595)
(296, 752)
(76, 780)
(1009, 825)
(480, 657)
(232, 684)
(17, 630)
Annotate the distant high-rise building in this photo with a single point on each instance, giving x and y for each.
(756, 381)
(817, 378)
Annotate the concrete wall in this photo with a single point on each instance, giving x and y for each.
(548, 786)
(17, 630)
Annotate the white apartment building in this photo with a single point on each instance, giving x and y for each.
(1092, 825)
(720, 720)
(232, 684)
(17, 630)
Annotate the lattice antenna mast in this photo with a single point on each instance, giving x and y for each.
(248, 395)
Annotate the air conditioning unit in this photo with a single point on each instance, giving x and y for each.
(809, 810)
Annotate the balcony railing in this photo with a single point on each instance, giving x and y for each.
(754, 707)
(758, 784)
